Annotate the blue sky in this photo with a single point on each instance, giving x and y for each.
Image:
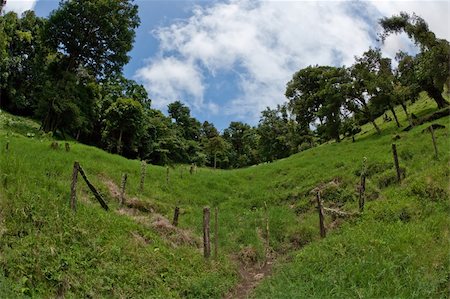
(228, 60)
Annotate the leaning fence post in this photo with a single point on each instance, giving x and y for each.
(320, 210)
(397, 166)
(143, 169)
(92, 188)
(216, 231)
(206, 240)
(176, 214)
(73, 186)
(122, 189)
(434, 142)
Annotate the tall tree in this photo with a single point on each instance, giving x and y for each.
(244, 143)
(317, 93)
(365, 73)
(22, 60)
(124, 125)
(431, 67)
(94, 34)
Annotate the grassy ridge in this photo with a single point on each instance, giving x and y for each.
(46, 249)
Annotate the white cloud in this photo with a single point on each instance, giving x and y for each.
(265, 43)
(171, 79)
(435, 13)
(19, 6)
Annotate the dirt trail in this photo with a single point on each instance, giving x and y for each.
(250, 277)
(251, 274)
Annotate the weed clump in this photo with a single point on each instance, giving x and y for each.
(428, 190)
(302, 237)
(374, 168)
(387, 178)
(302, 207)
(248, 255)
(337, 193)
(406, 154)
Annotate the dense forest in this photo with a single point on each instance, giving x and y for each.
(66, 72)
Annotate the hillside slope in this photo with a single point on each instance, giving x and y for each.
(397, 247)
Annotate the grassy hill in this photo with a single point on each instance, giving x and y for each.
(399, 246)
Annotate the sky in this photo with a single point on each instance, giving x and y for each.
(229, 60)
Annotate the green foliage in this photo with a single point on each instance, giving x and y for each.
(93, 34)
(48, 250)
(123, 124)
(430, 66)
(317, 93)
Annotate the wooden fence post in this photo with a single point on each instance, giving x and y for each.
(362, 186)
(206, 240)
(122, 189)
(143, 170)
(73, 186)
(362, 190)
(434, 142)
(266, 216)
(216, 232)
(167, 175)
(397, 166)
(320, 210)
(94, 191)
(176, 214)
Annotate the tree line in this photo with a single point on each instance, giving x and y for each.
(66, 71)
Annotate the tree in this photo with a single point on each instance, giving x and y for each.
(244, 144)
(93, 34)
(123, 122)
(317, 93)
(279, 134)
(189, 126)
(22, 60)
(365, 74)
(431, 67)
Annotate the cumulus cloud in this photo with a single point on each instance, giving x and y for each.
(171, 79)
(262, 44)
(435, 13)
(19, 6)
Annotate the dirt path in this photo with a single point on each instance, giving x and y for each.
(250, 277)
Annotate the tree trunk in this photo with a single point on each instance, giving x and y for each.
(375, 126)
(369, 116)
(119, 142)
(436, 94)
(408, 117)
(395, 116)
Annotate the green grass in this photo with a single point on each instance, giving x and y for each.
(397, 248)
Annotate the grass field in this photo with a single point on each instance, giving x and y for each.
(399, 247)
